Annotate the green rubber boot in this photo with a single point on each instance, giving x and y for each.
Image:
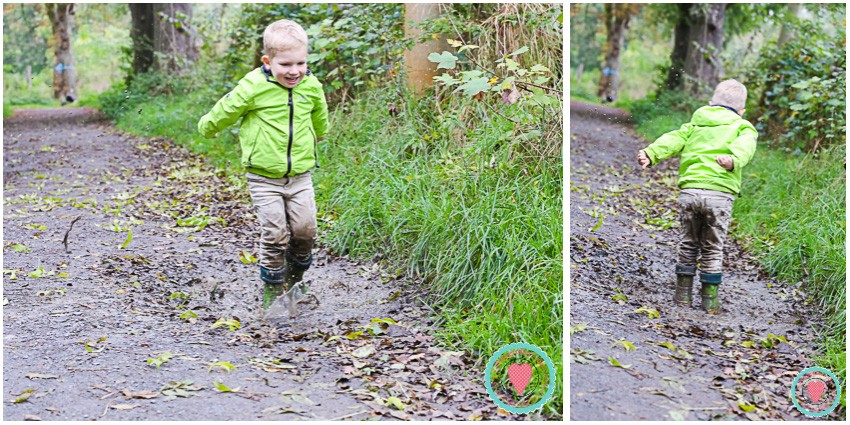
(294, 276)
(710, 300)
(274, 281)
(684, 284)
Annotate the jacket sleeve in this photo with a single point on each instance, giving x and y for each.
(669, 144)
(319, 115)
(227, 110)
(744, 146)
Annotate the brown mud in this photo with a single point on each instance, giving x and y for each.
(685, 364)
(83, 328)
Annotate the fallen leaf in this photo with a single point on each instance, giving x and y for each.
(124, 406)
(40, 376)
(614, 362)
(28, 417)
(364, 351)
(395, 402)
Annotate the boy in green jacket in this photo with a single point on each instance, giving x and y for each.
(284, 115)
(714, 147)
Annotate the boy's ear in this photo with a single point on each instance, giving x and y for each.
(265, 59)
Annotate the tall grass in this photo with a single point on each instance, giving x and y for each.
(471, 219)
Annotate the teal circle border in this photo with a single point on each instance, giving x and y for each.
(488, 372)
(802, 409)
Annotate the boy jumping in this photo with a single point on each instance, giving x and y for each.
(284, 116)
(714, 147)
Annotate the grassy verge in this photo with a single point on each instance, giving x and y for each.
(791, 216)
(455, 202)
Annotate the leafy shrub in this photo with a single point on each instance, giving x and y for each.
(800, 88)
(351, 45)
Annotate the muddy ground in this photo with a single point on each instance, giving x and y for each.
(685, 364)
(84, 328)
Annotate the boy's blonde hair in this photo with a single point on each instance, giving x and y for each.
(730, 93)
(283, 35)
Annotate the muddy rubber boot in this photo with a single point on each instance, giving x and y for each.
(684, 284)
(710, 300)
(274, 280)
(297, 289)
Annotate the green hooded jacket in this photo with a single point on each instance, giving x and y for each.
(713, 131)
(280, 126)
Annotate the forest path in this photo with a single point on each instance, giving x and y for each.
(686, 364)
(77, 341)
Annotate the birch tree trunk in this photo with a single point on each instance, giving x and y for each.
(420, 71)
(617, 19)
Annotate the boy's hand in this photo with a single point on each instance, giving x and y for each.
(726, 162)
(643, 160)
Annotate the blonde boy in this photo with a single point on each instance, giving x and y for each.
(284, 116)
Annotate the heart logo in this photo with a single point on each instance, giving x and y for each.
(520, 376)
(815, 389)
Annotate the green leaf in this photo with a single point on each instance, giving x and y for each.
(225, 366)
(19, 247)
(223, 388)
(467, 47)
(650, 312)
(246, 258)
(395, 402)
(577, 328)
(160, 359)
(628, 346)
(188, 314)
(598, 225)
(539, 68)
(444, 60)
(446, 79)
(519, 51)
(37, 273)
(614, 362)
(746, 406)
(128, 240)
(231, 324)
(474, 86)
(454, 43)
(619, 298)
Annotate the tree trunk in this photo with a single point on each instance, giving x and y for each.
(64, 74)
(173, 37)
(142, 30)
(420, 71)
(680, 48)
(162, 37)
(702, 65)
(787, 33)
(617, 18)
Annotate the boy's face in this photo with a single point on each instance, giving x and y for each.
(288, 66)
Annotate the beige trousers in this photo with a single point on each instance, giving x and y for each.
(705, 216)
(286, 208)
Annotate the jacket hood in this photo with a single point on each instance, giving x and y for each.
(711, 116)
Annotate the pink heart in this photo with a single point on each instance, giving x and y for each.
(815, 389)
(520, 375)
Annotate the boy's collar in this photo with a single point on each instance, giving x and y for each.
(727, 107)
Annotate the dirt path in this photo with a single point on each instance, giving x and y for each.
(77, 341)
(686, 364)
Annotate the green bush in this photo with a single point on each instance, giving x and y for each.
(800, 89)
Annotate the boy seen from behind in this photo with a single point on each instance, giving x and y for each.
(714, 147)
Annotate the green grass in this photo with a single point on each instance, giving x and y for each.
(457, 204)
(791, 216)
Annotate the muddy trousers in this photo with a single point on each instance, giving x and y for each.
(286, 208)
(705, 217)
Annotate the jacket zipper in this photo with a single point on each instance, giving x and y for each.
(291, 130)
(315, 147)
